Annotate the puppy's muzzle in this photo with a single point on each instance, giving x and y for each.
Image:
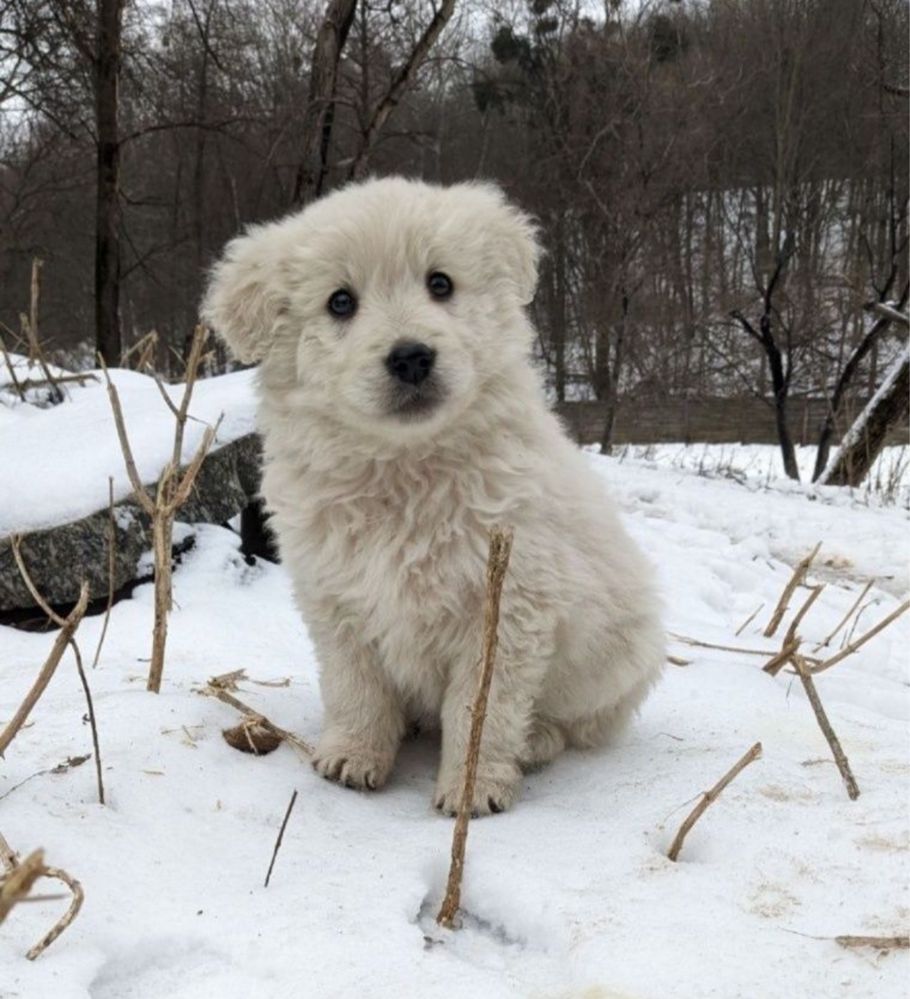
(410, 362)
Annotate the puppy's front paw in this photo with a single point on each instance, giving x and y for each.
(493, 792)
(352, 764)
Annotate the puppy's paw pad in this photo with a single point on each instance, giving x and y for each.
(491, 795)
(355, 768)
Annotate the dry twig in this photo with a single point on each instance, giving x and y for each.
(861, 641)
(777, 662)
(497, 563)
(111, 563)
(748, 620)
(61, 622)
(837, 751)
(16, 884)
(20, 391)
(708, 797)
(284, 823)
(846, 616)
(75, 905)
(172, 492)
(63, 639)
(799, 574)
(879, 943)
(791, 635)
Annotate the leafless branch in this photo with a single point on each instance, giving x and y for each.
(708, 797)
(837, 751)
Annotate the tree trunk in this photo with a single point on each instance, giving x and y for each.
(864, 441)
(107, 213)
(614, 371)
(558, 315)
(319, 115)
(864, 347)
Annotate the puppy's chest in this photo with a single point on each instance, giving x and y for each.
(409, 563)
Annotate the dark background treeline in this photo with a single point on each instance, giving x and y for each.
(721, 186)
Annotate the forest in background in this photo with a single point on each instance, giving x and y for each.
(721, 186)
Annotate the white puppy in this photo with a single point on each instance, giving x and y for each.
(402, 419)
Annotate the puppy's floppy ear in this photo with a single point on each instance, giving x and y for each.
(243, 302)
(515, 243)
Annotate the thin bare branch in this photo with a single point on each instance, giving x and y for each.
(497, 564)
(799, 574)
(284, 823)
(62, 640)
(708, 797)
(840, 758)
(861, 641)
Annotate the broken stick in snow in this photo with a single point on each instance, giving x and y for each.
(878, 943)
(708, 797)
(859, 642)
(284, 823)
(840, 757)
(497, 563)
(63, 639)
(63, 624)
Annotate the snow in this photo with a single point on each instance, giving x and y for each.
(42, 486)
(568, 895)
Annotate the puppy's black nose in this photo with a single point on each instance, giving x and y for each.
(411, 362)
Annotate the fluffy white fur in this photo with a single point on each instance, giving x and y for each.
(383, 520)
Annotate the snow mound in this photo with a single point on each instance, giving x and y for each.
(57, 459)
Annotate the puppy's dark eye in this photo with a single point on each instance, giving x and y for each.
(342, 304)
(440, 285)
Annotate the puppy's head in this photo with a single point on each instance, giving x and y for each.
(389, 304)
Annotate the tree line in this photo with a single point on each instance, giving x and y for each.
(721, 185)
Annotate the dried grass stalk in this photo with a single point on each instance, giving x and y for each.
(17, 882)
(749, 620)
(83, 679)
(878, 943)
(497, 563)
(799, 574)
(111, 565)
(172, 492)
(840, 757)
(791, 635)
(62, 640)
(64, 921)
(847, 616)
(708, 797)
(277, 847)
(861, 641)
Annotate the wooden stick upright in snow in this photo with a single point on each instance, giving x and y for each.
(67, 630)
(497, 563)
(171, 494)
(840, 757)
(707, 797)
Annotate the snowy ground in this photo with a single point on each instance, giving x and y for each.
(568, 895)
